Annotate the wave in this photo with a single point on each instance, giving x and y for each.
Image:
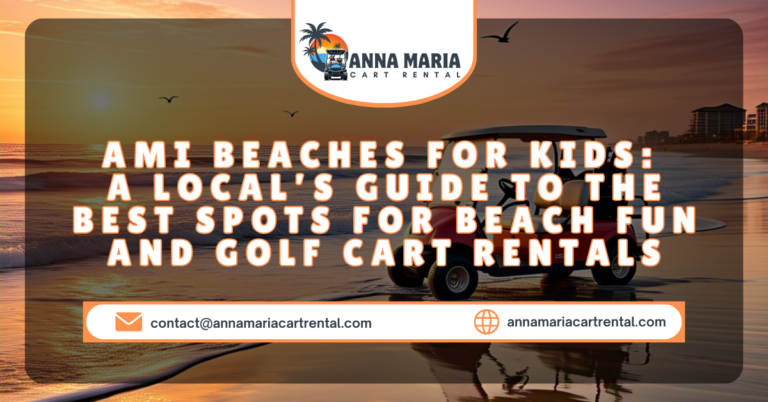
(678, 188)
(50, 162)
(12, 256)
(64, 180)
(12, 161)
(107, 391)
(38, 250)
(91, 163)
(40, 253)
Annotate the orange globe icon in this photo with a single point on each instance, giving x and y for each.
(486, 322)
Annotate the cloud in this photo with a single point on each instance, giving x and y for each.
(753, 19)
(147, 8)
(677, 44)
(11, 26)
(729, 11)
(660, 61)
(249, 49)
(182, 8)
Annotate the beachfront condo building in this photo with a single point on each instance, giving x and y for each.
(750, 128)
(717, 123)
(656, 137)
(762, 121)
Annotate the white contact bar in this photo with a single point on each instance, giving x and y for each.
(384, 322)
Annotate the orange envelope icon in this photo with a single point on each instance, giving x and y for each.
(127, 322)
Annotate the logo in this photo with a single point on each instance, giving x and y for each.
(327, 52)
(128, 322)
(393, 57)
(486, 322)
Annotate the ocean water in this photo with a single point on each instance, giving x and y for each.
(61, 176)
(70, 175)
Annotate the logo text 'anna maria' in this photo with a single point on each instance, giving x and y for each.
(411, 60)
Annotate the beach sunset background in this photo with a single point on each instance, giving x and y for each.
(77, 116)
(752, 17)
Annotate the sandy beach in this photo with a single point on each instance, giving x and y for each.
(492, 371)
(215, 111)
(291, 364)
(757, 150)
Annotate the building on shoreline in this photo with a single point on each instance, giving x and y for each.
(654, 137)
(761, 125)
(722, 123)
(750, 128)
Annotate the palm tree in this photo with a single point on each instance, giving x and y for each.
(337, 46)
(307, 51)
(315, 35)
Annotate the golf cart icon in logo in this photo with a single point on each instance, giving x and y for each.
(327, 52)
(336, 64)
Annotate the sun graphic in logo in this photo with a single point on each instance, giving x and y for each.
(320, 40)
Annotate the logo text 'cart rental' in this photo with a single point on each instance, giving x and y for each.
(405, 53)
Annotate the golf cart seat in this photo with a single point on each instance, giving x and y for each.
(575, 194)
(544, 204)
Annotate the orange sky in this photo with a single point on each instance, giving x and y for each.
(334, 40)
(752, 16)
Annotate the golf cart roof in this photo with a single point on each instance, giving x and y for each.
(529, 133)
(335, 51)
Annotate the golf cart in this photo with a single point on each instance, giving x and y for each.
(336, 64)
(458, 279)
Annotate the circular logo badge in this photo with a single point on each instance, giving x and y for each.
(319, 41)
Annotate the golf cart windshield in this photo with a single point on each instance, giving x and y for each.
(336, 59)
(516, 139)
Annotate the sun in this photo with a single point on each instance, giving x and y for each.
(332, 44)
(100, 100)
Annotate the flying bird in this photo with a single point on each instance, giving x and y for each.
(505, 38)
(168, 99)
(290, 112)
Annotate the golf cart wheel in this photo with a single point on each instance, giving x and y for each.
(404, 276)
(457, 280)
(560, 275)
(327, 77)
(615, 274)
(344, 76)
